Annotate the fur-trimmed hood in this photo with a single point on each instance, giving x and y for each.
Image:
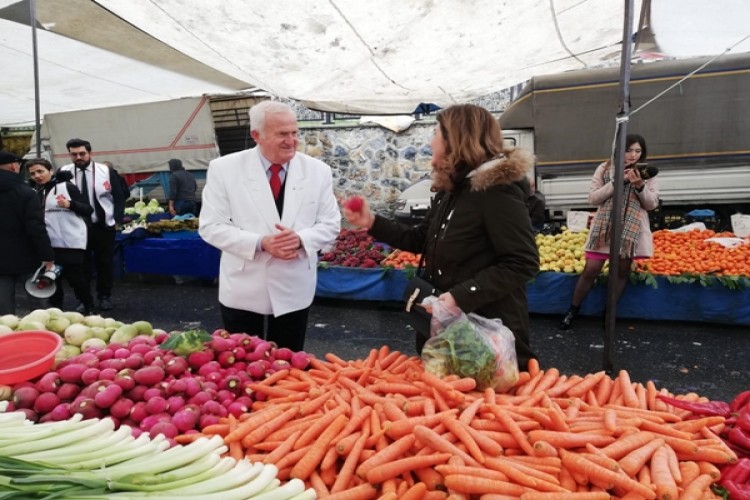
(511, 168)
(507, 169)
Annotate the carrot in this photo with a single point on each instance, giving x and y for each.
(637, 458)
(626, 444)
(710, 469)
(216, 429)
(259, 418)
(688, 470)
(532, 366)
(346, 474)
(189, 438)
(285, 447)
(275, 377)
(335, 360)
(586, 384)
(403, 427)
(548, 379)
(629, 395)
(480, 485)
(443, 387)
(465, 384)
(292, 458)
(590, 470)
(307, 463)
(344, 445)
(364, 491)
(393, 412)
(435, 495)
(466, 470)
(316, 482)
(604, 390)
(569, 440)
(467, 415)
(694, 491)
(260, 432)
(512, 427)
(312, 432)
(460, 430)
(512, 466)
(585, 495)
(544, 449)
(388, 470)
(416, 492)
(312, 405)
(432, 439)
(430, 477)
(485, 442)
(235, 447)
(661, 475)
(528, 476)
(396, 449)
(357, 420)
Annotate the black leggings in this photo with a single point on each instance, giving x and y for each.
(287, 330)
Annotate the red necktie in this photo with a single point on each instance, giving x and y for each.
(275, 180)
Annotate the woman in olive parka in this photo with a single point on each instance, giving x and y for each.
(476, 238)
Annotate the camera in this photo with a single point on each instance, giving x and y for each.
(647, 171)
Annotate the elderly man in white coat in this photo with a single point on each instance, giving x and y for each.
(269, 210)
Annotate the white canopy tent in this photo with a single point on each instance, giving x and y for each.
(348, 56)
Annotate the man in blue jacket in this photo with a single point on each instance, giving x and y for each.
(25, 241)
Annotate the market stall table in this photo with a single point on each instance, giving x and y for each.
(187, 254)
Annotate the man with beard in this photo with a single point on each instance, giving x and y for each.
(95, 183)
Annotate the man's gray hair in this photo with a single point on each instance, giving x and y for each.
(258, 113)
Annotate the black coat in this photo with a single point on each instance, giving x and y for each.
(478, 244)
(25, 242)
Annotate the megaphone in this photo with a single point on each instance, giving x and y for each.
(42, 284)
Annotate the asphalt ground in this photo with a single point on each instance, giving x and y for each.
(709, 359)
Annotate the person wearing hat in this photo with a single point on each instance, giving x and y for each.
(25, 240)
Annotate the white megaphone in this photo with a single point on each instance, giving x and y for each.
(42, 284)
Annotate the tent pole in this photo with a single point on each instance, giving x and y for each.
(610, 312)
(37, 112)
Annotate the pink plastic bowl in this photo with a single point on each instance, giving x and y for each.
(25, 355)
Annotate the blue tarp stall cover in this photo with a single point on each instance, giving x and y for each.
(548, 293)
(361, 284)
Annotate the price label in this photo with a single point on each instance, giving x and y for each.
(741, 225)
(577, 221)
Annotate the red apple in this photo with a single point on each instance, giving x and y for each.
(355, 203)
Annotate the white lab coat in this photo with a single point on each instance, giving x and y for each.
(238, 210)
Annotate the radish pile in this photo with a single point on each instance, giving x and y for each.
(154, 390)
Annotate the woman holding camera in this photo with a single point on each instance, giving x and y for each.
(64, 209)
(641, 195)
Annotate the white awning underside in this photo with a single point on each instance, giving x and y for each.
(355, 56)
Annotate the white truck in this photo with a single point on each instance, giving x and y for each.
(140, 139)
(698, 133)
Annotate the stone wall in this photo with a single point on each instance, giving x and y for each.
(370, 160)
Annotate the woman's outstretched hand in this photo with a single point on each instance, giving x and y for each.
(357, 212)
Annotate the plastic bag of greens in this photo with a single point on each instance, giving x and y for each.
(471, 346)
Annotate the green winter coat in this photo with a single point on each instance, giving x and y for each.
(478, 243)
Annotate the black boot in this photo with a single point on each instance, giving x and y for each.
(567, 321)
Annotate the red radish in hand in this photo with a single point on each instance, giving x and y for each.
(355, 204)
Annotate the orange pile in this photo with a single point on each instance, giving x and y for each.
(401, 259)
(688, 253)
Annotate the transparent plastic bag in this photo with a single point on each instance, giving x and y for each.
(470, 346)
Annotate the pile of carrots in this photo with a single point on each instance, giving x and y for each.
(384, 428)
(401, 259)
(689, 253)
